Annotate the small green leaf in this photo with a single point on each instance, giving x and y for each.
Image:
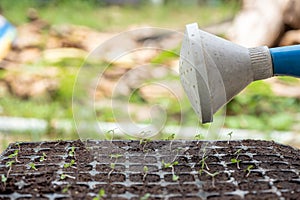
(112, 165)
(116, 156)
(65, 189)
(199, 137)
(101, 192)
(249, 168)
(72, 152)
(146, 169)
(32, 166)
(145, 197)
(14, 154)
(171, 137)
(175, 163)
(62, 176)
(3, 178)
(10, 163)
(175, 177)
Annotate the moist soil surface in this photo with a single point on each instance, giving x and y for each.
(247, 169)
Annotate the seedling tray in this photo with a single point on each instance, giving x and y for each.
(150, 170)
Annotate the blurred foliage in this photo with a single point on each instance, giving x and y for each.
(258, 108)
(95, 14)
(255, 108)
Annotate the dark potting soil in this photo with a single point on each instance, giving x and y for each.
(247, 169)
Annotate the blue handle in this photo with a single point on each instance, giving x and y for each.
(286, 60)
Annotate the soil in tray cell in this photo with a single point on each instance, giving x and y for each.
(141, 189)
(144, 178)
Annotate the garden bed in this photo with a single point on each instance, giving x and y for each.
(247, 169)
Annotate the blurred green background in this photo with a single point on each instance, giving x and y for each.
(44, 60)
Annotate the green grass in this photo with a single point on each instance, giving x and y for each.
(116, 18)
(258, 108)
(12, 106)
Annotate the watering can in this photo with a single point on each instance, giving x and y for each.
(213, 70)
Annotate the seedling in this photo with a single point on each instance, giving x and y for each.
(199, 137)
(145, 197)
(111, 132)
(3, 180)
(113, 165)
(14, 155)
(145, 172)
(18, 145)
(64, 176)
(66, 189)
(236, 160)
(167, 165)
(203, 164)
(144, 141)
(230, 136)
(70, 164)
(171, 138)
(100, 195)
(237, 152)
(211, 175)
(32, 166)
(72, 152)
(248, 170)
(9, 164)
(43, 157)
(116, 156)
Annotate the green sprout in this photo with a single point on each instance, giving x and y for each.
(72, 162)
(237, 161)
(32, 166)
(116, 156)
(203, 164)
(100, 194)
(112, 166)
(64, 176)
(10, 163)
(175, 177)
(15, 154)
(3, 179)
(72, 151)
(248, 170)
(145, 197)
(43, 157)
(230, 136)
(145, 172)
(199, 137)
(66, 189)
(112, 132)
(143, 142)
(171, 165)
(18, 145)
(237, 152)
(212, 175)
(171, 137)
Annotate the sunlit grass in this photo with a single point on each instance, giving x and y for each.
(115, 18)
